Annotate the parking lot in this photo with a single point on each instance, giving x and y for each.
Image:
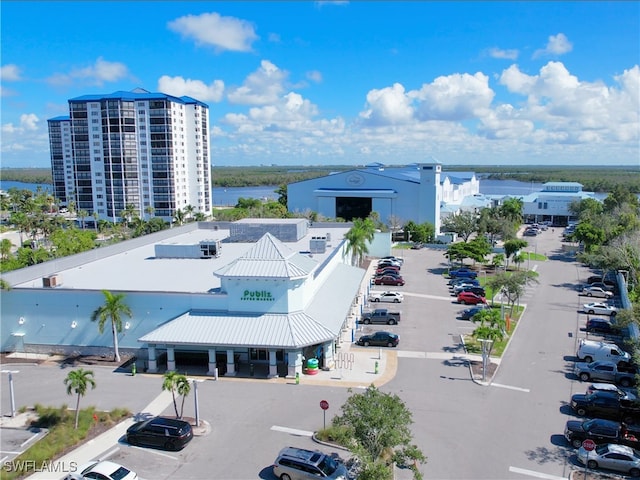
(512, 429)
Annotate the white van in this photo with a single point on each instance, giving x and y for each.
(594, 351)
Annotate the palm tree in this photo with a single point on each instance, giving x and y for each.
(5, 248)
(77, 382)
(95, 220)
(358, 237)
(112, 310)
(82, 214)
(177, 383)
(149, 211)
(188, 211)
(179, 217)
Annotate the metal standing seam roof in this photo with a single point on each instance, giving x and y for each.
(320, 322)
(269, 258)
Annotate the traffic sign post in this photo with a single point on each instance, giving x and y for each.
(589, 445)
(324, 405)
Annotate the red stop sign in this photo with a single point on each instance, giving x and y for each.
(324, 404)
(588, 445)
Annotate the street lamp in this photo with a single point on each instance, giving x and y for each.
(13, 400)
(486, 348)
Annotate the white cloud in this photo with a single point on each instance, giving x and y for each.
(29, 121)
(97, 74)
(503, 54)
(557, 45)
(455, 97)
(314, 76)
(197, 89)
(212, 29)
(568, 110)
(388, 105)
(10, 73)
(261, 87)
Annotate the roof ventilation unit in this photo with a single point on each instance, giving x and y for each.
(52, 281)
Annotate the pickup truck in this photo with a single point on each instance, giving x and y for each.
(606, 371)
(603, 404)
(380, 315)
(601, 431)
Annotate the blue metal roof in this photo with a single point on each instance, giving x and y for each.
(61, 118)
(137, 95)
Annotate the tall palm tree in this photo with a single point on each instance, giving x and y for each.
(149, 211)
(179, 217)
(177, 383)
(112, 310)
(5, 248)
(188, 211)
(77, 382)
(358, 237)
(82, 214)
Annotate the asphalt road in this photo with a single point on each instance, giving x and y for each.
(510, 430)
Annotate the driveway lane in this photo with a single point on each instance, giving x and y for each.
(540, 358)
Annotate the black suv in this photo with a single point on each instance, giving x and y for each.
(160, 432)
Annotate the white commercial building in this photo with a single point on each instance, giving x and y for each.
(398, 194)
(148, 150)
(263, 294)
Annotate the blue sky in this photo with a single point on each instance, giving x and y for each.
(348, 83)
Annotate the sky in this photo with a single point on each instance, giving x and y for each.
(338, 82)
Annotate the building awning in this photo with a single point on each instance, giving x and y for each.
(320, 322)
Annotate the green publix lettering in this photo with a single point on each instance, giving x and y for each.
(257, 295)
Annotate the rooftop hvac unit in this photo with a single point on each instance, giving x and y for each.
(318, 245)
(52, 281)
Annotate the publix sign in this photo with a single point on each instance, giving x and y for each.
(257, 296)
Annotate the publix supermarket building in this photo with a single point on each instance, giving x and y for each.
(213, 297)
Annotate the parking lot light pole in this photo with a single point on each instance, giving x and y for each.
(13, 400)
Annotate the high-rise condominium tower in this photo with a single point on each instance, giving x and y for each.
(124, 151)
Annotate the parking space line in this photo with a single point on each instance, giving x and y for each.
(532, 473)
(155, 452)
(509, 387)
(292, 431)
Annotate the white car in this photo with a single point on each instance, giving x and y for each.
(591, 291)
(103, 470)
(392, 297)
(599, 308)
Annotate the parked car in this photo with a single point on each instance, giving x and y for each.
(600, 325)
(595, 291)
(473, 289)
(394, 259)
(300, 464)
(381, 315)
(458, 280)
(104, 470)
(592, 350)
(530, 232)
(388, 270)
(393, 263)
(606, 372)
(612, 457)
(380, 339)
(160, 432)
(393, 297)
(389, 280)
(599, 308)
(607, 286)
(603, 404)
(598, 279)
(470, 298)
(463, 272)
(468, 313)
(610, 387)
(601, 431)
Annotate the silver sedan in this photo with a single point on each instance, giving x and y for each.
(591, 291)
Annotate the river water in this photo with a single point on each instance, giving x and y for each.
(229, 196)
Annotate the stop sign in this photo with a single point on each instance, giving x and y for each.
(324, 404)
(588, 445)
